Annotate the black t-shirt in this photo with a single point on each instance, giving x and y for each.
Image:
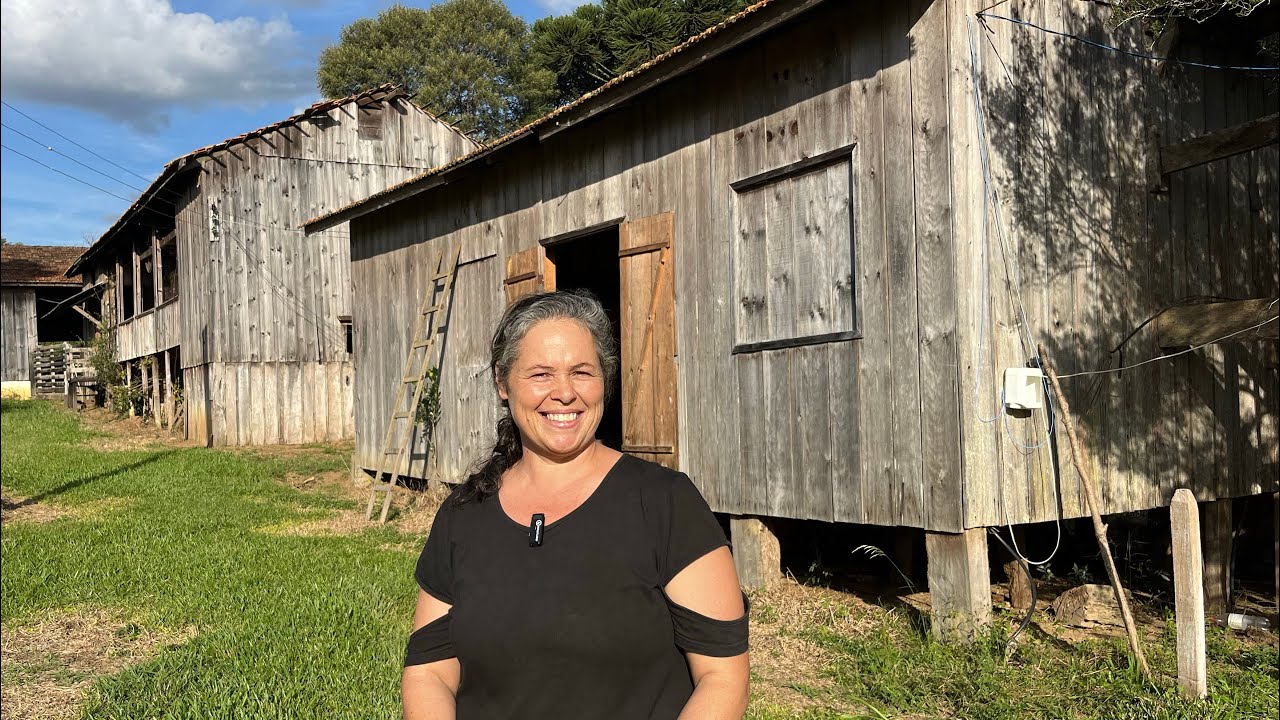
(578, 627)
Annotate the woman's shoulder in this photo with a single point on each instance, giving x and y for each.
(638, 469)
(652, 480)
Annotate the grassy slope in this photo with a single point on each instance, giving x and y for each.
(288, 626)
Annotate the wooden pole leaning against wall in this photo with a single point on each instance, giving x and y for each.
(1099, 529)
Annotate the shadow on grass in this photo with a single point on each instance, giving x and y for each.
(78, 482)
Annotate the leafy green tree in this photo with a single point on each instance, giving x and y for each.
(466, 61)
(594, 43)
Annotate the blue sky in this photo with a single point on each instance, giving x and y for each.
(141, 82)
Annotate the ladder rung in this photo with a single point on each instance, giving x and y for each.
(401, 416)
(409, 380)
(424, 343)
(393, 451)
(381, 487)
(440, 276)
(432, 309)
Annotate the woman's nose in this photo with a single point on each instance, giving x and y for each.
(563, 389)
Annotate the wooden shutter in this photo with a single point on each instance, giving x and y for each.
(524, 274)
(648, 328)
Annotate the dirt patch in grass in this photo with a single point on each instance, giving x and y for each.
(340, 448)
(113, 433)
(48, 665)
(411, 512)
(17, 508)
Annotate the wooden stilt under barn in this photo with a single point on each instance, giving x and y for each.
(831, 235)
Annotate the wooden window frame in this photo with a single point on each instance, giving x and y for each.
(170, 239)
(758, 181)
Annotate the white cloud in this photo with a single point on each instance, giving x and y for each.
(562, 7)
(133, 60)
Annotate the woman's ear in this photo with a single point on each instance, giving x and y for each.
(502, 391)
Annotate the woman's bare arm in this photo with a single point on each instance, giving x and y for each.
(709, 586)
(428, 691)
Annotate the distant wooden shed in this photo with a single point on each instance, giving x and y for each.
(33, 283)
(211, 289)
(826, 229)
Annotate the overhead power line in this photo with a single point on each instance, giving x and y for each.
(73, 142)
(56, 151)
(65, 174)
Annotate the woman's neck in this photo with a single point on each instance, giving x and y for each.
(553, 473)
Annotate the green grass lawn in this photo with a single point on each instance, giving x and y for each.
(276, 626)
(287, 627)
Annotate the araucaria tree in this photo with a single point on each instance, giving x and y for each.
(466, 61)
(594, 43)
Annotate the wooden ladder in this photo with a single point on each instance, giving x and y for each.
(395, 441)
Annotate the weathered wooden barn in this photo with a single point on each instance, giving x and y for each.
(33, 283)
(826, 230)
(215, 296)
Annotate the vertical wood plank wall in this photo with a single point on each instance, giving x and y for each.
(263, 353)
(1096, 254)
(888, 428)
(18, 320)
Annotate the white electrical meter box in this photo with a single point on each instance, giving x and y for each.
(1023, 388)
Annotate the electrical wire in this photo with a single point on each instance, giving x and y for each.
(294, 304)
(1014, 273)
(174, 197)
(1142, 56)
(73, 142)
(56, 151)
(1022, 565)
(64, 174)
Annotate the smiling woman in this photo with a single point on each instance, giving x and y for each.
(564, 579)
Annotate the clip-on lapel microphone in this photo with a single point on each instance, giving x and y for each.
(535, 529)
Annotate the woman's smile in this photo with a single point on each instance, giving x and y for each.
(556, 390)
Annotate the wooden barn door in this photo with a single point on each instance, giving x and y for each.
(526, 274)
(648, 329)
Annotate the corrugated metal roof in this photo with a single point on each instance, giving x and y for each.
(25, 265)
(688, 46)
(384, 92)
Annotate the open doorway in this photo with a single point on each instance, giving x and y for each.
(591, 262)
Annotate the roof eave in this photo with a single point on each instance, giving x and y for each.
(676, 62)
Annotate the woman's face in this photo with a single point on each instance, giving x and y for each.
(556, 389)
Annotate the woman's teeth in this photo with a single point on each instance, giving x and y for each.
(562, 417)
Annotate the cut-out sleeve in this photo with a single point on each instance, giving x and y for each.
(434, 571)
(697, 633)
(430, 643)
(685, 529)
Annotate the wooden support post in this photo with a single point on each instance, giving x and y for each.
(155, 391)
(756, 553)
(1215, 530)
(128, 382)
(1188, 589)
(1019, 585)
(959, 584)
(168, 388)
